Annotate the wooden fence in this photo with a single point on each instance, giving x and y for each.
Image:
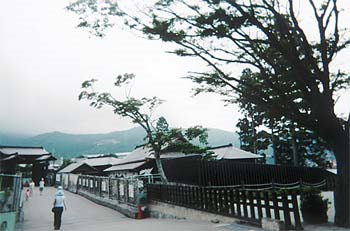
(250, 205)
(118, 189)
(226, 172)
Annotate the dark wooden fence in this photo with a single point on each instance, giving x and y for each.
(226, 172)
(250, 205)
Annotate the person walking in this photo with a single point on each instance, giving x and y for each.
(31, 187)
(27, 194)
(58, 204)
(41, 186)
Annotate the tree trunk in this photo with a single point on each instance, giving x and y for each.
(342, 191)
(253, 134)
(273, 142)
(160, 168)
(295, 152)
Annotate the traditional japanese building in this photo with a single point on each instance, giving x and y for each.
(11, 156)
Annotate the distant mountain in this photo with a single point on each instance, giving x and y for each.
(217, 137)
(71, 145)
(12, 139)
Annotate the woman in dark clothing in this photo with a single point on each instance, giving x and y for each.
(58, 205)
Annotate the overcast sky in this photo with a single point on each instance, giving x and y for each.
(44, 59)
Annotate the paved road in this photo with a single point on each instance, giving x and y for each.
(83, 214)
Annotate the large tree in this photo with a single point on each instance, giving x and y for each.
(159, 137)
(267, 36)
(291, 143)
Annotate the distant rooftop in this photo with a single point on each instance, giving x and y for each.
(77, 167)
(24, 154)
(23, 150)
(124, 167)
(138, 154)
(99, 155)
(101, 161)
(230, 152)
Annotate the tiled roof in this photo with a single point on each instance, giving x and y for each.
(173, 155)
(21, 150)
(101, 161)
(70, 168)
(138, 154)
(45, 157)
(11, 157)
(125, 167)
(230, 152)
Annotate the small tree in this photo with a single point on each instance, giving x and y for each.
(159, 137)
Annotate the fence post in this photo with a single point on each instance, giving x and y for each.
(296, 212)
(251, 204)
(275, 205)
(267, 204)
(15, 189)
(244, 201)
(100, 186)
(238, 200)
(126, 191)
(258, 201)
(232, 202)
(94, 184)
(286, 213)
(108, 188)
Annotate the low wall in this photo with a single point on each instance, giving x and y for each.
(164, 210)
(125, 209)
(158, 210)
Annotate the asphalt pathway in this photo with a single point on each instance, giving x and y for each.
(84, 215)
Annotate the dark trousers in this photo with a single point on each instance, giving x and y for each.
(57, 217)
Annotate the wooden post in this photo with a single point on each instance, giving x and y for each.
(275, 205)
(204, 198)
(286, 213)
(219, 200)
(244, 201)
(296, 213)
(251, 204)
(267, 204)
(215, 200)
(238, 202)
(258, 202)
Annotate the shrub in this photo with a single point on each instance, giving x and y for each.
(313, 206)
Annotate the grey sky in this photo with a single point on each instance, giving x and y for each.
(44, 59)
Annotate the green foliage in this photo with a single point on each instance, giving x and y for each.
(159, 136)
(291, 143)
(197, 131)
(95, 16)
(178, 140)
(313, 206)
(310, 148)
